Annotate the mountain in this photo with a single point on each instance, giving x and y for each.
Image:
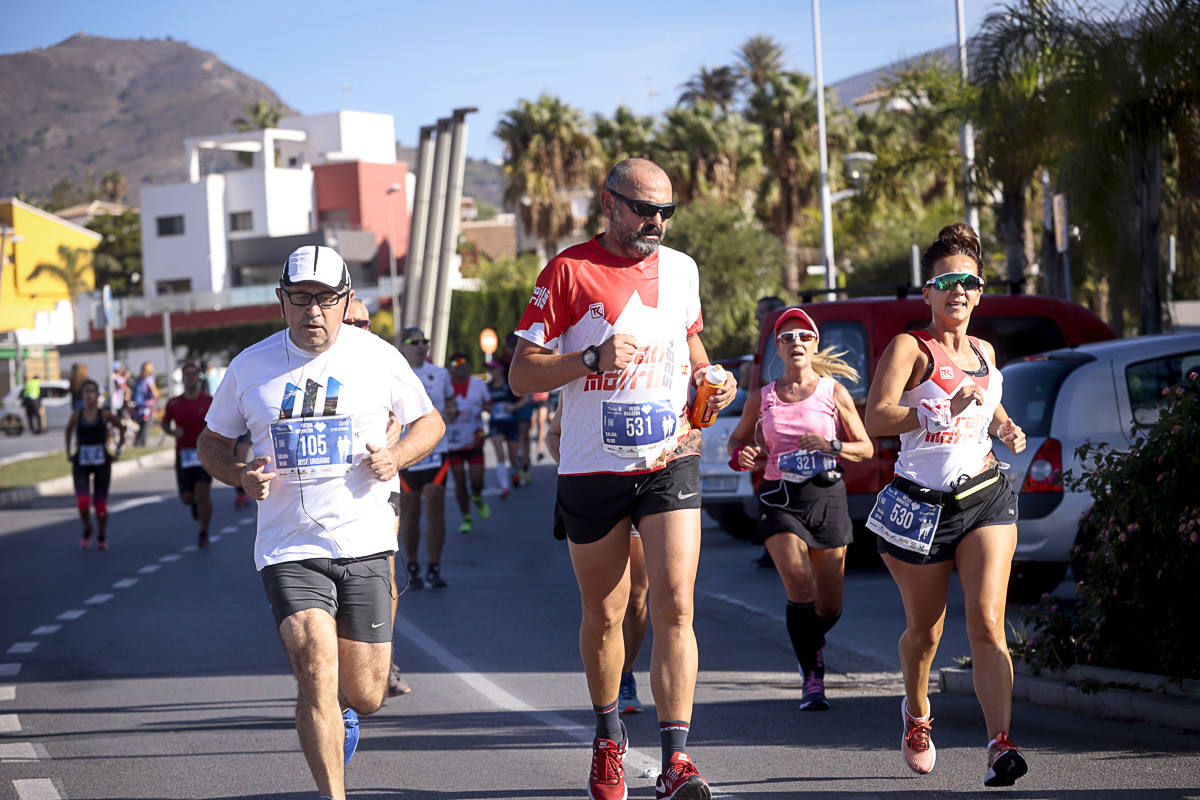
(90, 103)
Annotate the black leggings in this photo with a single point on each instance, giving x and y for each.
(100, 477)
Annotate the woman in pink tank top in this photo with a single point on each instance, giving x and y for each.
(948, 507)
(798, 427)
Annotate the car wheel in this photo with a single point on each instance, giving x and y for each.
(1029, 580)
(12, 425)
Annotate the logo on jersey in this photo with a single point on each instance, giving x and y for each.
(596, 310)
(946, 373)
(540, 296)
(311, 389)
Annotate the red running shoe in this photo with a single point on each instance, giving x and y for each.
(681, 781)
(86, 539)
(607, 781)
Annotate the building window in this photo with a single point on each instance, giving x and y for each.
(241, 221)
(179, 286)
(170, 226)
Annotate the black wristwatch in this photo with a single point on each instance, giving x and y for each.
(835, 446)
(591, 358)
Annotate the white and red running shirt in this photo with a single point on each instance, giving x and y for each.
(619, 421)
(936, 459)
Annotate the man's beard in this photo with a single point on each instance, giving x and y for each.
(638, 241)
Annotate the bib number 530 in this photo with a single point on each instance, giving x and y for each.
(903, 518)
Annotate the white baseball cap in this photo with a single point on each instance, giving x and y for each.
(316, 264)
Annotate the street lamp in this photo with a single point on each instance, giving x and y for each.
(395, 284)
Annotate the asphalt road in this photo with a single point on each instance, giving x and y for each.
(153, 671)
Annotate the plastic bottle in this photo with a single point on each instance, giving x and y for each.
(702, 414)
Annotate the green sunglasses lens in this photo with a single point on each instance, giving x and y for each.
(948, 281)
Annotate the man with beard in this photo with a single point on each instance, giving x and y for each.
(615, 323)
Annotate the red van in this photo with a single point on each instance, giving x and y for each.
(1015, 325)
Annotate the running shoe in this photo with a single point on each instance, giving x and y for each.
(516, 480)
(396, 685)
(351, 720)
(86, 539)
(916, 745)
(627, 699)
(102, 544)
(813, 698)
(202, 541)
(1005, 762)
(681, 781)
(414, 575)
(607, 781)
(504, 493)
(465, 525)
(525, 477)
(433, 577)
(485, 513)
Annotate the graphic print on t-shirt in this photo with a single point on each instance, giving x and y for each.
(307, 447)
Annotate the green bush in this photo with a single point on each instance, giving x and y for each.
(1139, 552)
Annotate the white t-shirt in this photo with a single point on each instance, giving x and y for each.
(467, 429)
(360, 377)
(619, 421)
(436, 381)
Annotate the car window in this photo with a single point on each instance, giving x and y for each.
(54, 392)
(1016, 337)
(1031, 389)
(843, 335)
(1146, 380)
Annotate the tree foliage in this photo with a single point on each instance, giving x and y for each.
(118, 257)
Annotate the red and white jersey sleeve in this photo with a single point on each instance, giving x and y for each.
(584, 296)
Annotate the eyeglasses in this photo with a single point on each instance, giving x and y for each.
(305, 299)
(644, 208)
(416, 341)
(457, 362)
(787, 337)
(365, 324)
(947, 281)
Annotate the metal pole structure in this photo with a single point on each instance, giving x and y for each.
(437, 217)
(413, 262)
(1171, 277)
(916, 265)
(968, 132)
(826, 204)
(170, 352)
(454, 187)
(395, 283)
(106, 303)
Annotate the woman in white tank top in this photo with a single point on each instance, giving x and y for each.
(948, 507)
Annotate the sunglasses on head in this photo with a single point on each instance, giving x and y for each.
(416, 341)
(948, 280)
(365, 324)
(644, 208)
(787, 337)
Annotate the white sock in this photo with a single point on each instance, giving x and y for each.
(918, 719)
(502, 475)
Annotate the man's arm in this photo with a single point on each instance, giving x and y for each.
(422, 436)
(699, 356)
(216, 453)
(536, 369)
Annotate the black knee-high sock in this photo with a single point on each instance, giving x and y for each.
(825, 624)
(608, 722)
(804, 629)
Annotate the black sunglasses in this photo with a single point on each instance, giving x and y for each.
(644, 208)
(365, 324)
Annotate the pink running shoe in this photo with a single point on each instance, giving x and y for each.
(607, 781)
(681, 781)
(916, 745)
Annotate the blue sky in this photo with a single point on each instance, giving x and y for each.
(418, 61)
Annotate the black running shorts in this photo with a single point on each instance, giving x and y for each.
(186, 478)
(357, 592)
(416, 480)
(591, 505)
(817, 514)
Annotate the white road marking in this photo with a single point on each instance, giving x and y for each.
(10, 669)
(246, 521)
(22, 647)
(9, 723)
(125, 583)
(229, 529)
(74, 613)
(214, 539)
(36, 789)
(149, 568)
(190, 548)
(635, 761)
(45, 630)
(18, 751)
(97, 599)
(169, 557)
(8, 693)
(136, 502)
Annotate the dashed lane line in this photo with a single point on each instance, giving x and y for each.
(169, 557)
(136, 502)
(97, 599)
(73, 613)
(36, 789)
(44, 630)
(125, 583)
(229, 529)
(22, 647)
(10, 669)
(149, 568)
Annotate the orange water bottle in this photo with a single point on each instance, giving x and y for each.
(702, 413)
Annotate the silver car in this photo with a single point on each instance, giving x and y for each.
(728, 496)
(56, 405)
(1098, 392)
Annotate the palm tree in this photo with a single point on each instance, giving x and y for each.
(718, 86)
(759, 60)
(626, 135)
(74, 271)
(706, 151)
(259, 115)
(785, 109)
(114, 186)
(548, 151)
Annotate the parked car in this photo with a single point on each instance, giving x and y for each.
(56, 404)
(1016, 325)
(1101, 392)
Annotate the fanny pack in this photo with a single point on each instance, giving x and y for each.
(969, 493)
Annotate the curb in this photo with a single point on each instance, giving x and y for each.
(1121, 704)
(26, 494)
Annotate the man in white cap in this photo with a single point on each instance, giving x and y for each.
(315, 399)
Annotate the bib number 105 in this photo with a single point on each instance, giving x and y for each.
(310, 445)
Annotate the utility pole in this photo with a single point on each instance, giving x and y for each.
(968, 132)
(826, 203)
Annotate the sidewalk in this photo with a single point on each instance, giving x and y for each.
(64, 485)
(1099, 692)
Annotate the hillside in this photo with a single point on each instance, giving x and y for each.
(90, 103)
